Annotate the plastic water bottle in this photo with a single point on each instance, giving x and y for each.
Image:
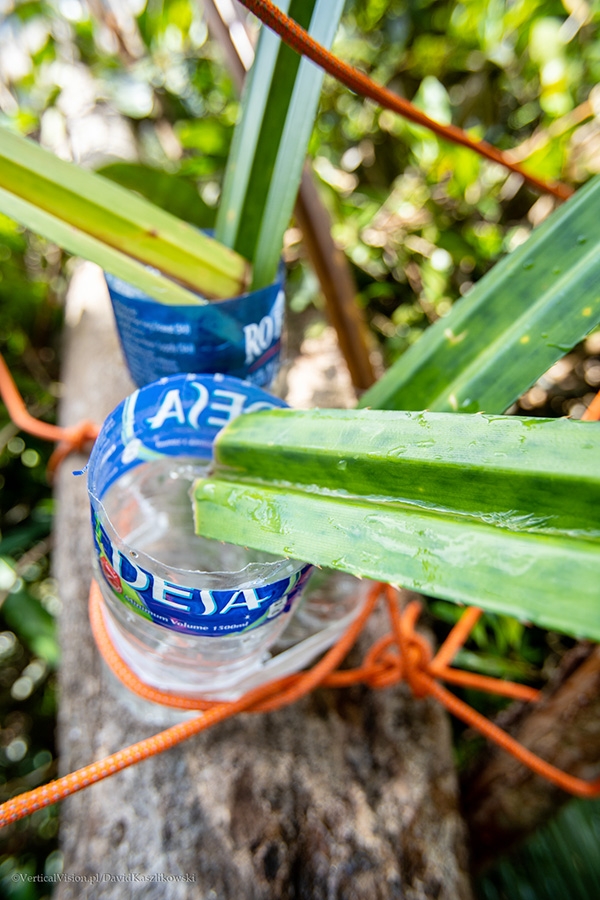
(186, 614)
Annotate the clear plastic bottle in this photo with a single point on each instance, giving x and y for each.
(185, 613)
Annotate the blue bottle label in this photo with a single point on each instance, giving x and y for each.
(178, 416)
(239, 337)
(189, 610)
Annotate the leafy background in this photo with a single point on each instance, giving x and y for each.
(139, 91)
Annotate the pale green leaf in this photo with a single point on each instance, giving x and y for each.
(114, 216)
(81, 244)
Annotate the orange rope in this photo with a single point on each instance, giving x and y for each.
(561, 779)
(402, 655)
(70, 439)
(592, 413)
(456, 638)
(300, 41)
(269, 696)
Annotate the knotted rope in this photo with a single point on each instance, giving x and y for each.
(402, 655)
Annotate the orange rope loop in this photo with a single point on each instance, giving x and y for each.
(69, 439)
(402, 655)
(300, 41)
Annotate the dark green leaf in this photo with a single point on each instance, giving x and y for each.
(270, 141)
(526, 313)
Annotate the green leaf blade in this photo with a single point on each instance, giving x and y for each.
(271, 139)
(522, 473)
(118, 218)
(246, 136)
(81, 244)
(275, 115)
(544, 579)
(492, 510)
(533, 307)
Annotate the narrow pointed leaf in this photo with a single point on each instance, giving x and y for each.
(497, 511)
(270, 141)
(515, 323)
(110, 214)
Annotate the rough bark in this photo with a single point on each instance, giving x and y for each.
(348, 794)
(504, 801)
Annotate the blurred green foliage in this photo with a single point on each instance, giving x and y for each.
(421, 219)
(138, 89)
(558, 861)
(31, 287)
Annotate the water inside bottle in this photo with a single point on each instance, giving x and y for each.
(151, 509)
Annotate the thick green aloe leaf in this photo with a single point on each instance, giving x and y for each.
(270, 141)
(519, 473)
(526, 313)
(112, 215)
(497, 511)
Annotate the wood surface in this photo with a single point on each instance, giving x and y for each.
(348, 794)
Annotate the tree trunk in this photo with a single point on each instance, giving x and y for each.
(347, 794)
(504, 801)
